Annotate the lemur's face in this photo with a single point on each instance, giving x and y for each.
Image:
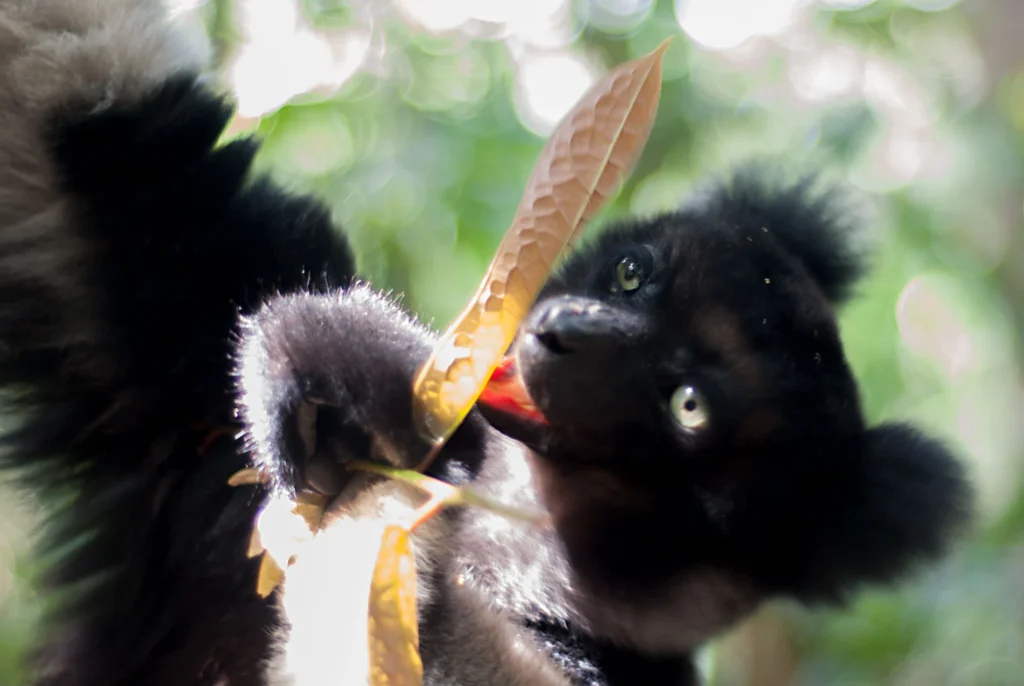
(675, 340)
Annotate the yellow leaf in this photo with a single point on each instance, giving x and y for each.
(393, 624)
(590, 152)
(270, 576)
(256, 546)
(249, 476)
(310, 506)
(281, 528)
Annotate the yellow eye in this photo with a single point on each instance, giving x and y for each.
(629, 274)
(690, 408)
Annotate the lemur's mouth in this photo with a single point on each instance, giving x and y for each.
(505, 392)
(507, 405)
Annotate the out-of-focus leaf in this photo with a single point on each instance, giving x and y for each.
(393, 624)
(592, 150)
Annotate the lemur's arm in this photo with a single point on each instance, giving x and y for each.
(129, 243)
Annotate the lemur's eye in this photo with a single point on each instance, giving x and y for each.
(629, 274)
(690, 408)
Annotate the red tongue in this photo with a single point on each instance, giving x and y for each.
(506, 393)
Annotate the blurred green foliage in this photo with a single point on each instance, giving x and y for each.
(423, 152)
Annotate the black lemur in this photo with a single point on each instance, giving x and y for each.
(166, 320)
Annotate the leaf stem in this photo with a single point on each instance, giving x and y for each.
(444, 495)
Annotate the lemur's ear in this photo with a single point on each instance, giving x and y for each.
(811, 220)
(918, 492)
(902, 503)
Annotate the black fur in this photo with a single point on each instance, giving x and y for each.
(177, 241)
(591, 662)
(120, 295)
(813, 221)
(784, 492)
(786, 486)
(325, 380)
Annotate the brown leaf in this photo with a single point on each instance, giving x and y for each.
(393, 624)
(593, 148)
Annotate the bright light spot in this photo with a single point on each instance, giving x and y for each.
(987, 420)
(281, 58)
(456, 84)
(326, 593)
(932, 328)
(825, 75)
(954, 325)
(904, 154)
(952, 56)
(281, 530)
(931, 5)
(908, 147)
(313, 143)
(545, 23)
(897, 95)
(176, 7)
(263, 19)
(511, 12)
(436, 16)
(619, 16)
(901, 156)
(725, 24)
(547, 87)
(847, 4)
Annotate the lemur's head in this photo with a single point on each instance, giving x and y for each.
(687, 372)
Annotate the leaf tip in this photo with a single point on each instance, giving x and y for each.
(656, 57)
(663, 46)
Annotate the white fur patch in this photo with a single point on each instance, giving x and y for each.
(518, 566)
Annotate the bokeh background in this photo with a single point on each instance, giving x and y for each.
(419, 121)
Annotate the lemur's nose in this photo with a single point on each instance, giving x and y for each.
(568, 324)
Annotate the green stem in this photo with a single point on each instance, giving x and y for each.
(462, 495)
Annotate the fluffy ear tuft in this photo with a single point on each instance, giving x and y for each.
(903, 504)
(921, 497)
(811, 220)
